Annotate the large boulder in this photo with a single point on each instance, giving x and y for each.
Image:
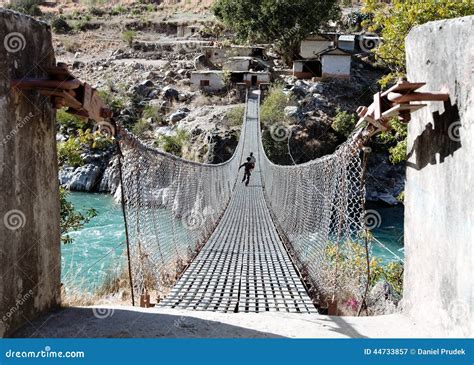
(111, 177)
(84, 178)
(170, 93)
(177, 116)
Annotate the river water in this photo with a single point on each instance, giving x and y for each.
(98, 249)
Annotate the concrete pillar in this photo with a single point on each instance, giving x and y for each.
(30, 260)
(439, 206)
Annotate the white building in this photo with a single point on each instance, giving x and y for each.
(208, 80)
(314, 45)
(186, 30)
(237, 64)
(346, 42)
(213, 80)
(336, 63)
(256, 78)
(219, 55)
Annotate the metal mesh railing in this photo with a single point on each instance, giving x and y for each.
(172, 206)
(318, 208)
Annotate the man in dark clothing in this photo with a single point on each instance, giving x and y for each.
(248, 167)
(252, 160)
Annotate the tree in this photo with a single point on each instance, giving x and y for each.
(71, 219)
(284, 22)
(393, 22)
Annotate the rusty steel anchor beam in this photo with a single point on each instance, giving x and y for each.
(396, 102)
(66, 91)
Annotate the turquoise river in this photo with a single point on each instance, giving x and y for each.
(98, 249)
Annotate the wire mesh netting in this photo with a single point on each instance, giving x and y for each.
(173, 206)
(318, 207)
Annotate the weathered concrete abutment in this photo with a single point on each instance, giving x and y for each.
(439, 221)
(29, 206)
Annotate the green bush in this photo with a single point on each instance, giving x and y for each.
(277, 129)
(396, 138)
(174, 143)
(114, 102)
(273, 106)
(117, 10)
(71, 219)
(152, 112)
(96, 11)
(29, 7)
(344, 122)
(235, 116)
(69, 122)
(81, 25)
(140, 128)
(350, 259)
(60, 25)
(128, 36)
(94, 140)
(69, 153)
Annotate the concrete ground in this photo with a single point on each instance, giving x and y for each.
(127, 322)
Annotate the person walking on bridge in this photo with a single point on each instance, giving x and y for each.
(252, 160)
(248, 170)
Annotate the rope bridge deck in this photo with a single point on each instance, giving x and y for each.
(182, 214)
(244, 267)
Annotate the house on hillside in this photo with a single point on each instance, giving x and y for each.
(335, 63)
(245, 64)
(215, 80)
(208, 80)
(315, 44)
(218, 55)
(324, 56)
(346, 42)
(187, 30)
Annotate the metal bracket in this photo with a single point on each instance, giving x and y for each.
(66, 91)
(394, 102)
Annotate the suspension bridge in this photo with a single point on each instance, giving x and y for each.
(202, 240)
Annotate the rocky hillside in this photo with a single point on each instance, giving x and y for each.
(131, 53)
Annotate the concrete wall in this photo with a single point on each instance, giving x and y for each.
(215, 79)
(309, 48)
(262, 77)
(237, 64)
(336, 66)
(439, 201)
(29, 206)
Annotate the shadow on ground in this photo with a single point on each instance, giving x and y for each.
(119, 323)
